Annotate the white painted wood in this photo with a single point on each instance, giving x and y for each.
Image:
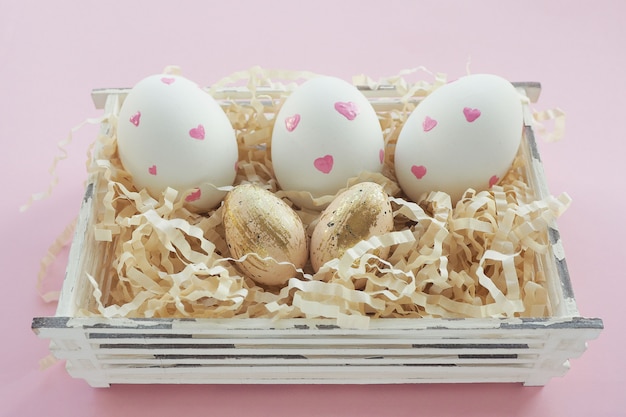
(528, 352)
(310, 375)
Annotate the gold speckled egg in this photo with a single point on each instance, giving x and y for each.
(358, 213)
(258, 222)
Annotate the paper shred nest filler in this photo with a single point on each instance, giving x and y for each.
(106, 349)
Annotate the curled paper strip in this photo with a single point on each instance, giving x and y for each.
(62, 146)
(478, 258)
(65, 237)
(557, 116)
(47, 362)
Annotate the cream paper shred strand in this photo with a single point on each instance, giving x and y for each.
(557, 116)
(62, 147)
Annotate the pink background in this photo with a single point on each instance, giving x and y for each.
(53, 53)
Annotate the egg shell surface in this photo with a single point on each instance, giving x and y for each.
(257, 222)
(325, 133)
(171, 133)
(356, 214)
(463, 135)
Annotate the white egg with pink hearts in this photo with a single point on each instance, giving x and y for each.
(325, 133)
(463, 135)
(171, 133)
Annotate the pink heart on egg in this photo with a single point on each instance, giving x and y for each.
(197, 132)
(195, 195)
(471, 114)
(291, 122)
(381, 156)
(349, 110)
(419, 171)
(168, 80)
(493, 180)
(429, 124)
(324, 164)
(134, 119)
(152, 170)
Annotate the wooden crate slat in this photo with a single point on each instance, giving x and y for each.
(310, 375)
(510, 343)
(285, 361)
(314, 327)
(345, 352)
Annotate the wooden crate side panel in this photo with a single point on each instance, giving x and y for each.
(87, 256)
(553, 263)
(73, 291)
(517, 351)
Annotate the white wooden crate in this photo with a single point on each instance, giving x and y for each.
(224, 351)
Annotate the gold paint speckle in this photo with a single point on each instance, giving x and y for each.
(262, 224)
(355, 215)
